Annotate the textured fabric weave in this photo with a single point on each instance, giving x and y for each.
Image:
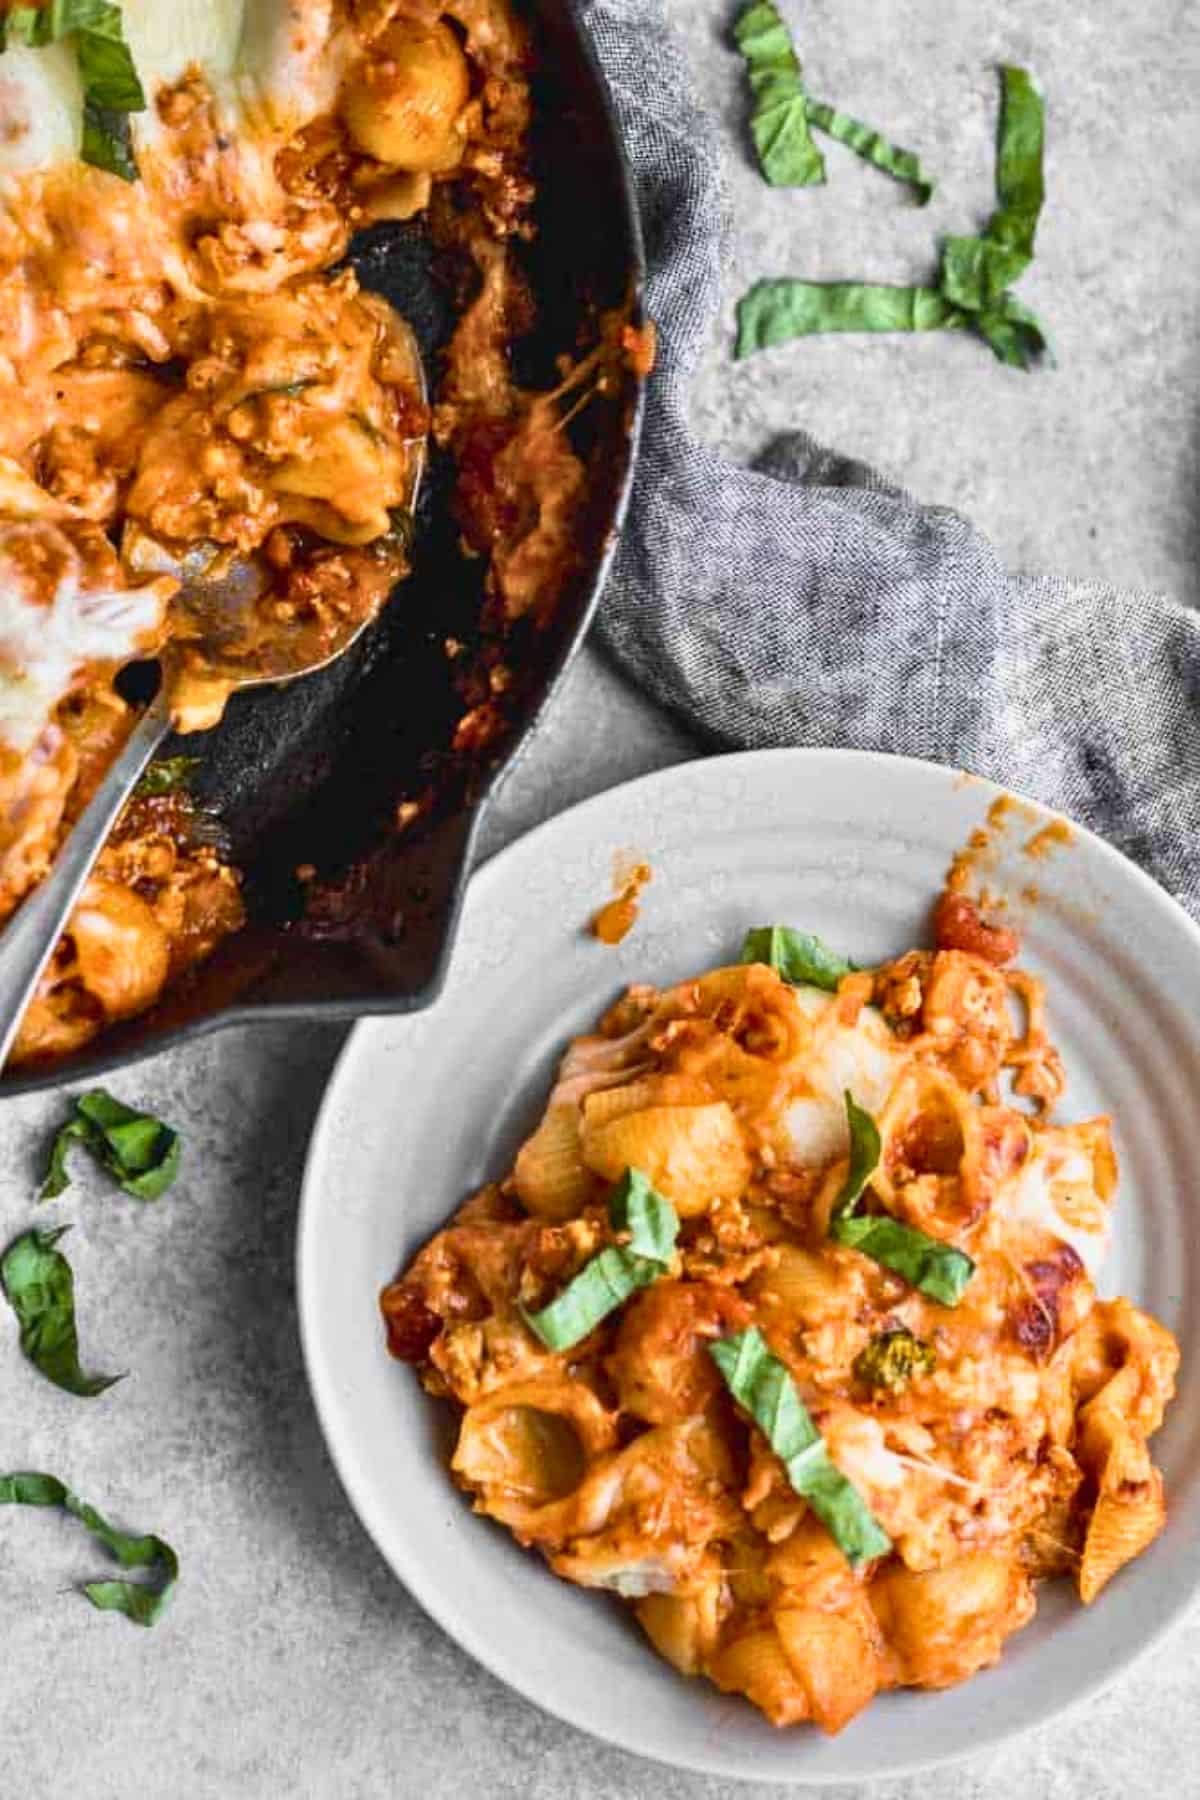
(806, 602)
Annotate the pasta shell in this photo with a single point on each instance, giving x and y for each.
(684, 1627)
(695, 1155)
(757, 1666)
(1121, 1527)
(550, 1177)
(835, 1659)
(651, 1090)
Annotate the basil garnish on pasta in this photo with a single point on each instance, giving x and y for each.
(761, 1384)
(798, 956)
(138, 1150)
(650, 1222)
(142, 1602)
(40, 1287)
(937, 1269)
(111, 89)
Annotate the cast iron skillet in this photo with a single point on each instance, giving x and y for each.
(313, 776)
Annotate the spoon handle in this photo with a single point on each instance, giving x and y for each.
(35, 927)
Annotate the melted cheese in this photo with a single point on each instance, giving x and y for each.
(864, 1058)
(1057, 1168)
(41, 104)
(274, 64)
(43, 645)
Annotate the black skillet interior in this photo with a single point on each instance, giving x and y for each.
(313, 774)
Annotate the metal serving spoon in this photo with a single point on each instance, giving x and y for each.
(214, 650)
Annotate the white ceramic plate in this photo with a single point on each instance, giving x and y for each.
(423, 1109)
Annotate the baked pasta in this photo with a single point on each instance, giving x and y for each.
(190, 388)
(784, 1325)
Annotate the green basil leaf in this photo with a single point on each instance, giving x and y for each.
(894, 1358)
(1020, 178)
(634, 1206)
(105, 64)
(902, 165)
(779, 121)
(601, 1286)
(976, 272)
(141, 1602)
(40, 1287)
(56, 1178)
(618, 1271)
(762, 1385)
(111, 88)
(1013, 333)
(167, 776)
(798, 956)
(26, 1488)
(139, 1151)
(775, 311)
(937, 1269)
(865, 1147)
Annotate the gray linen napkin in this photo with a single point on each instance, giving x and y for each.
(806, 602)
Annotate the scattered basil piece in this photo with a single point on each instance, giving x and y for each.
(1013, 333)
(40, 1287)
(937, 1269)
(616, 1272)
(167, 776)
(111, 89)
(893, 1359)
(775, 311)
(798, 956)
(784, 113)
(901, 164)
(787, 155)
(761, 1384)
(976, 273)
(138, 1150)
(142, 1602)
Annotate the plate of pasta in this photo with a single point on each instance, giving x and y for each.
(749, 1318)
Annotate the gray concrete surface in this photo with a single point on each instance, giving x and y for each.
(292, 1663)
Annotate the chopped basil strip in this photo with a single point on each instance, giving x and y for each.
(893, 1359)
(902, 165)
(639, 1209)
(865, 1147)
(784, 113)
(937, 1269)
(167, 776)
(40, 1287)
(616, 1272)
(1013, 333)
(976, 274)
(797, 956)
(787, 155)
(761, 1384)
(775, 311)
(111, 89)
(138, 1150)
(142, 1602)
